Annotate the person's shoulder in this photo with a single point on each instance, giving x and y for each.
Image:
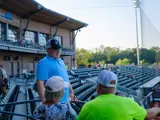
(40, 109)
(60, 60)
(43, 59)
(60, 104)
(88, 105)
(122, 98)
(126, 100)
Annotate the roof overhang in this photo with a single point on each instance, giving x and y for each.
(26, 8)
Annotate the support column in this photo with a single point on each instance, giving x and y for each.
(74, 49)
(6, 31)
(38, 37)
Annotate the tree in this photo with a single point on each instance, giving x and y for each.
(116, 56)
(142, 62)
(98, 57)
(82, 56)
(147, 55)
(125, 61)
(119, 62)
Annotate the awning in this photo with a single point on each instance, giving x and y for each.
(24, 8)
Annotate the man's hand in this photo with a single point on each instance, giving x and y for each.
(43, 100)
(73, 97)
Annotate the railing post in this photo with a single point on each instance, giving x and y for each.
(6, 31)
(38, 36)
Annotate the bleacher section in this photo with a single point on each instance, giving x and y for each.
(83, 81)
(129, 79)
(10, 97)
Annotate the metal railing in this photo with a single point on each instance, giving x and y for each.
(11, 104)
(24, 44)
(77, 105)
(10, 108)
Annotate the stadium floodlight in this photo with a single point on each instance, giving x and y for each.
(137, 3)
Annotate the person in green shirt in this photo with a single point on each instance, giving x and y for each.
(108, 106)
(67, 66)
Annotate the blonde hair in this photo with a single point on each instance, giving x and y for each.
(53, 96)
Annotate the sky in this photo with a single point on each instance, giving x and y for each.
(110, 22)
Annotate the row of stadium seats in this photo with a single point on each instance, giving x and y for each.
(129, 77)
(10, 97)
(32, 105)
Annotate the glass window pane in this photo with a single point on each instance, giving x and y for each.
(12, 33)
(59, 39)
(42, 39)
(29, 36)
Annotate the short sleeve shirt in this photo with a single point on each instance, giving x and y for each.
(48, 67)
(57, 111)
(112, 107)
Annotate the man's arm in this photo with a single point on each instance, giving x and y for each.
(140, 113)
(71, 89)
(40, 88)
(41, 76)
(73, 97)
(152, 113)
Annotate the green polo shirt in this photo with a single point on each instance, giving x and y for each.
(112, 107)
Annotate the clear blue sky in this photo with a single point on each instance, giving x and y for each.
(111, 22)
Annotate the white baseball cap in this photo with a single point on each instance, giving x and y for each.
(105, 77)
(56, 83)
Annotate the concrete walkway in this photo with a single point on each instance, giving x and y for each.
(21, 108)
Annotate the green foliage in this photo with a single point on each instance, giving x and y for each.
(119, 62)
(82, 57)
(113, 55)
(142, 62)
(125, 61)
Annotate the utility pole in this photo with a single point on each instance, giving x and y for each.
(137, 4)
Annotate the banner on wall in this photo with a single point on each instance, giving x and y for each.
(8, 16)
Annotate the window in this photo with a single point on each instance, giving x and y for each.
(59, 38)
(2, 31)
(43, 39)
(12, 33)
(30, 36)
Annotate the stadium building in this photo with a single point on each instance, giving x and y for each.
(25, 26)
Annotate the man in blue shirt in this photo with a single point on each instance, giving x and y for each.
(53, 65)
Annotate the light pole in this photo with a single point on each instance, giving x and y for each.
(136, 4)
